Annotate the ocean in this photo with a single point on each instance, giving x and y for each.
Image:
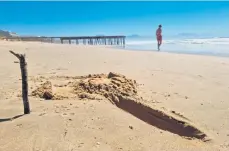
(201, 46)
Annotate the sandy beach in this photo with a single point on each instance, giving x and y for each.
(191, 88)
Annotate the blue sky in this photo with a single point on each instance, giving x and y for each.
(115, 18)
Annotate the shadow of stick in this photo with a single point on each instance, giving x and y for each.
(11, 119)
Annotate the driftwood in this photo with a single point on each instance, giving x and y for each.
(23, 66)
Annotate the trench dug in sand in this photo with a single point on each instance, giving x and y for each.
(120, 91)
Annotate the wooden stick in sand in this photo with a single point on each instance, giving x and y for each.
(23, 66)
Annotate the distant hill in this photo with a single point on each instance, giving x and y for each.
(7, 34)
(188, 35)
(134, 36)
(224, 37)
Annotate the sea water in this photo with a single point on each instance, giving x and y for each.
(201, 46)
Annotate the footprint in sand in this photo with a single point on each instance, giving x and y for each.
(19, 125)
(42, 114)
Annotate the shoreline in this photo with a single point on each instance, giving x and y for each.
(205, 46)
(194, 52)
(172, 52)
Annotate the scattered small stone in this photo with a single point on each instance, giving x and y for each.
(70, 119)
(98, 143)
(186, 97)
(161, 132)
(201, 104)
(70, 103)
(131, 127)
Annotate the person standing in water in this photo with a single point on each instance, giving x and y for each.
(159, 37)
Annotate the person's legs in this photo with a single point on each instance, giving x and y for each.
(159, 41)
(158, 45)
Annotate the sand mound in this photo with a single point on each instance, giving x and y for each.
(122, 92)
(87, 87)
(110, 86)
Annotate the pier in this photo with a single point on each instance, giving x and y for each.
(85, 40)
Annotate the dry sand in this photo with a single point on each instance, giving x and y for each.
(163, 102)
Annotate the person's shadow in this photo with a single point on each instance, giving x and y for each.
(10, 119)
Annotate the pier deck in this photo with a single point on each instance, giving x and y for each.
(86, 40)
